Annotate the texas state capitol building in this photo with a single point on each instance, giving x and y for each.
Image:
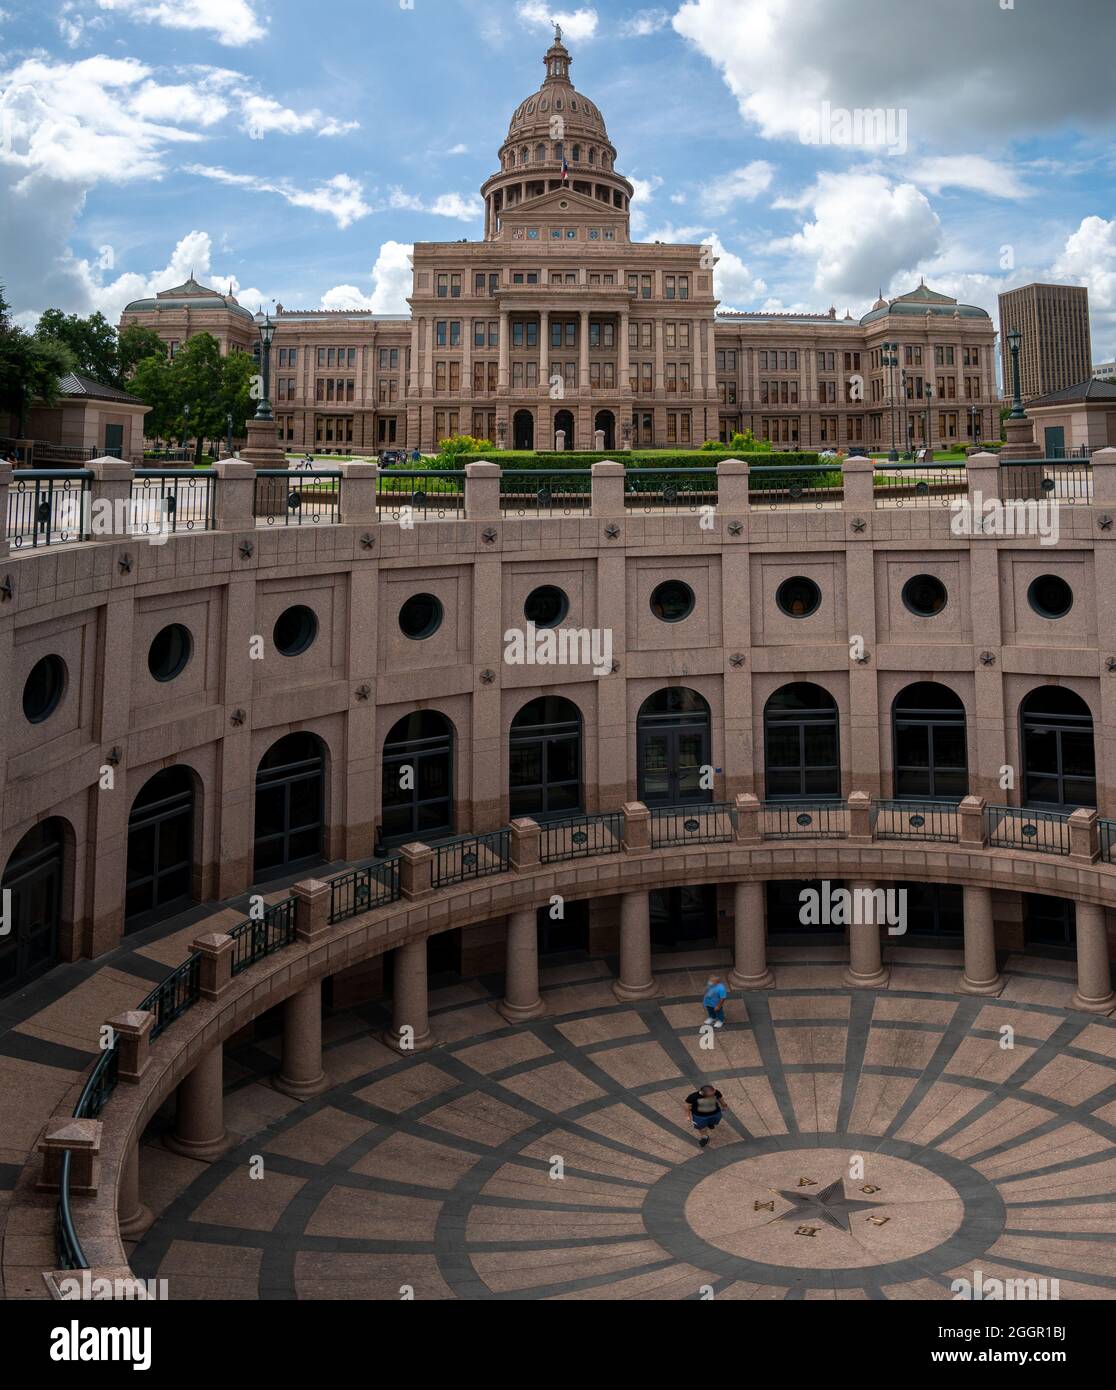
(559, 290)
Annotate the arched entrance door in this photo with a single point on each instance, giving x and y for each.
(417, 784)
(34, 877)
(801, 744)
(523, 430)
(160, 848)
(606, 422)
(545, 759)
(1059, 760)
(564, 420)
(672, 748)
(931, 760)
(290, 806)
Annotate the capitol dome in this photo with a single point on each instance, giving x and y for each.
(557, 97)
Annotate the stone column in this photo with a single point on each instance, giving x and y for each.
(660, 365)
(409, 1006)
(583, 343)
(300, 1071)
(1094, 993)
(697, 335)
(428, 357)
(981, 975)
(521, 984)
(749, 967)
(134, 1218)
(468, 329)
(199, 1120)
(636, 980)
(413, 375)
(504, 381)
(865, 969)
(544, 351)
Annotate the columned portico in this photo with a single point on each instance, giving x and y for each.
(300, 1072)
(1094, 971)
(636, 980)
(521, 984)
(199, 1118)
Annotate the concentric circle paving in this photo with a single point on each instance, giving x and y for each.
(878, 1145)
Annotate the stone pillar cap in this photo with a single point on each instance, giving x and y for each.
(636, 810)
(234, 468)
(483, 469)
(607, 468)
(732, 468)
(415, 850)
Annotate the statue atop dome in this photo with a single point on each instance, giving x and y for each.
(557, 31)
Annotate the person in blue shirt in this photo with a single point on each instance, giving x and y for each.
(714, 1000)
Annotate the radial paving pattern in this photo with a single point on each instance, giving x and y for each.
(877, 1146)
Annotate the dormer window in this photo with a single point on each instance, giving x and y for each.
(544, 105)
(557, 103)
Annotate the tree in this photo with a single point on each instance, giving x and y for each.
(91, 342)
(31, 368)
(196, 376)
(151, 381)
(238, 371)
(133, 344)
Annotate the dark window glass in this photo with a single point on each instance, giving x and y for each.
(43, 688)
(546, 606)
(798, 597)
(672, 601)
(295, 630)
(924, 595)
(421, 617)
(1050, 596)
(169, 652)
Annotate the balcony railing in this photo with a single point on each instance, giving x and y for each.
(701, 824)
(1107, 836)
(816, 485)
(669, 489)
(421, 495)
(915, 820)
(926, 485)
(1067, 481)
(1015, 827)
(527, 492)
(467, 857)
(577, 837)
(362, 890)
(302, 498)
(174, 995)
(48, 506)
(172, 499)
(259, 937)
(807, 820)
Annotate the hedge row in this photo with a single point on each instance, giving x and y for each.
(553, 463)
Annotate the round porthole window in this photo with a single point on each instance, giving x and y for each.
(421, 617)
(1050, 596)
(43, 688)
(798, 597)
(546, 606)
(924, 595)
(169, 652)
(672, 601)
(295, 630)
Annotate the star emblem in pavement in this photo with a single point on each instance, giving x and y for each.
(829, 1205)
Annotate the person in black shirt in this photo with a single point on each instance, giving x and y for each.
(704, 1109)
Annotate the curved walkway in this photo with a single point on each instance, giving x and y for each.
(550, 1159)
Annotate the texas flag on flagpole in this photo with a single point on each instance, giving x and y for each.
(565, 170)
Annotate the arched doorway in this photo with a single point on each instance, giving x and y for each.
(928, 732)
(544, 777)
(34, 877)
(290, 806)
(801, 744)
(1059, 759)
(673, 748)
(564, 420)
(160, 848)
(523, 430)
(606, 422)
(417, 781)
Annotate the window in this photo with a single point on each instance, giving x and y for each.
(924, 595)
(672, 601)
(798, 597)
(421, 617)
(169, 652)
(1050, 596)
(295, 630)
(43, 689)
(546, 606)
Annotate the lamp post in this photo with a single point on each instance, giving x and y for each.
(228, 429)
(185, 423)
(929, 402)
(974, 417)
(1015, 339)
(267, 333)
(890, 360)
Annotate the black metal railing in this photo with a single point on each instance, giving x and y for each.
(172, 499)
(260, 937)
(811, 485)
(577, 837)
(915, 820)
(48, 506)
(299, 498)
(669, 489)
(362, 890)
(467, 857)
(1067, 481)
(808, 820)
(174, 995)
(1106, 830)
(421, 495)
(919, 484)
(528, 492)
(1015, 827)
(708, 823)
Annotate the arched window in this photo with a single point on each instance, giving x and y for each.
(592, 155)
(801, 744)
(673, 748)
(34, 876)
(928, 727)
(290, 806)
(545, 759)
(511, 159)
(540, 154)
(1059, 759)
(577, 154)
(160, 848)
(417, 781)
(524, 155)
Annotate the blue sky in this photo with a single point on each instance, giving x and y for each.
(295, 152)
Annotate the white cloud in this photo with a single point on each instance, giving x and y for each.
(643, 191)
(577, 25)
(1089, 258)
(741, 185)
(971, 171)
(392, 280)
(463, 207)
(865, 230)
(232, 22)
(341, 197)
(644, 23)
(733, 283)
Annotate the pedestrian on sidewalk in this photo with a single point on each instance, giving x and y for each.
(704, 1108)
(714, 1000)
